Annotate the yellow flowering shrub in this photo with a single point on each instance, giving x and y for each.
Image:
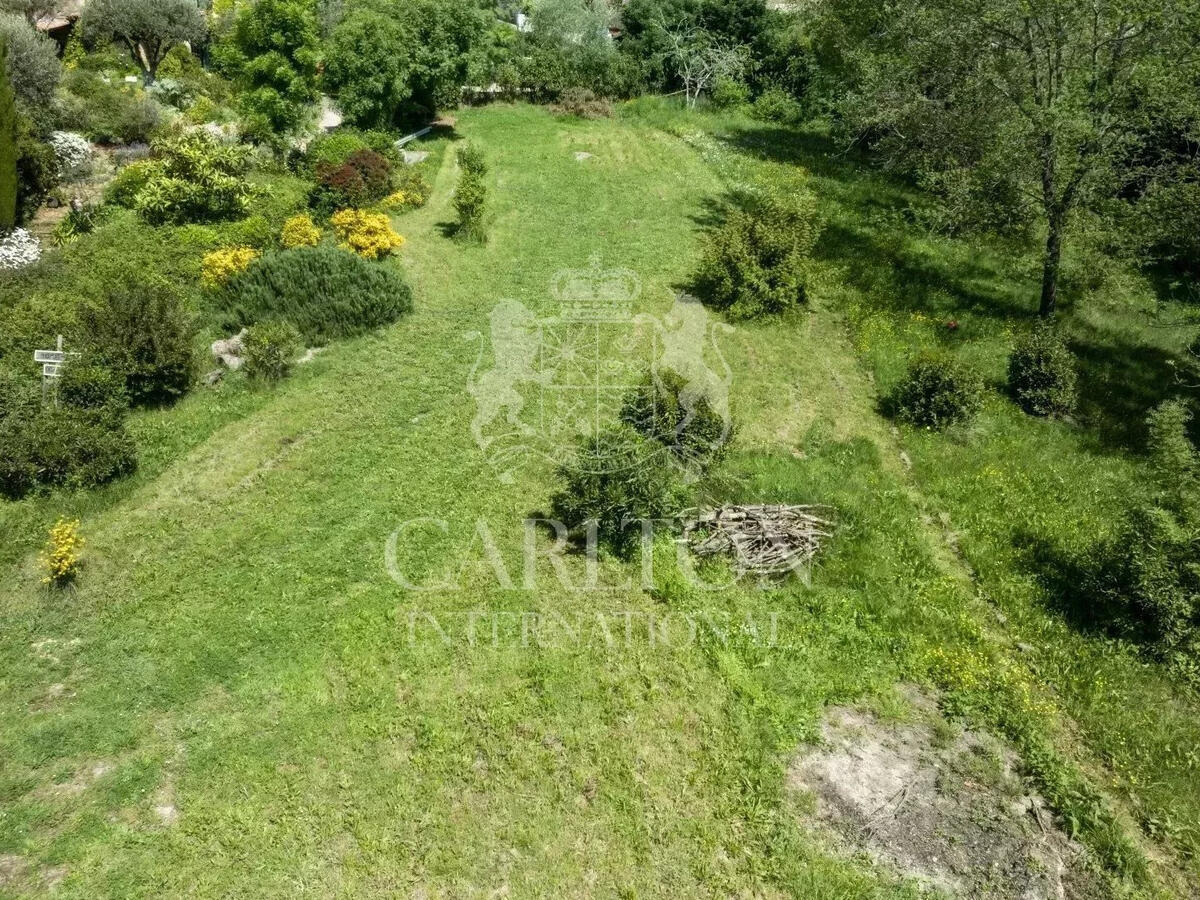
(368, 234)
(299, 231)
(221, 265)
(60, 558)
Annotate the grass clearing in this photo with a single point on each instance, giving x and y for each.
(234, 701)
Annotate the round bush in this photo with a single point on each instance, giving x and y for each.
(269, 350)
(88, 385)
(757, 262)
(144, 331)
(689, 427)
(325, 292)
(937, 391)
(615, 479)
(1041, 373)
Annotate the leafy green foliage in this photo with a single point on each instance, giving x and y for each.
(937, 391)
(106, 112)
(37, 170)
(470, 197)
(147, 28)
(1151, 571)
(776, 105)
(1048, 97)
(62, 444)
(323, 291)
(335, 147)
(615, 479)
(270, 350)
(756, 263)
(143, 330)
(1041, 373)
(272, 55)
(194, 179)
(8, 147)
(663, 408)
(391, 62)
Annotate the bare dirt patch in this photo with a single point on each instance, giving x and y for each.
(943, 806)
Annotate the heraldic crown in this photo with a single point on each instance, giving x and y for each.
(596, 294)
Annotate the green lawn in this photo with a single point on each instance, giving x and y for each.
(230, 704)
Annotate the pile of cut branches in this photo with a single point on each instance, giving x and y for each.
(768, 541)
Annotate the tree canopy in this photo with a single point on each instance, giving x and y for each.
(393, 61)
(1019, 108)
(272, 53)
(147, 28)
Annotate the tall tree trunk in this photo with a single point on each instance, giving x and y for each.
(1050, 266)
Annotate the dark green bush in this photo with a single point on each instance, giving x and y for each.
(757, 262)
(937, 391)
(270, 349)
(85, 384)
(144, 331)
(1041, 373)
(325, 292)
(37, 171)
(615, 479)
(663, 408)
(60, 445)
(1150, 573)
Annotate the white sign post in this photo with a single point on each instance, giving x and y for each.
(53, 362)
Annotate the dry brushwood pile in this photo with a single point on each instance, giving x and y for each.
(769, 541)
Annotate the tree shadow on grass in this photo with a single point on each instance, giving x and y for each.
(1120, 382)
(1072, 586)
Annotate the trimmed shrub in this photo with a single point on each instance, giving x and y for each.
(757, 263)
(337, 146)
(370, 235)
(937, 391)
(324, 291)
(143, 331)
(60, 559)
(73, 152)
(1041, 373)
(470, 197)
(299, 231)
(270, 348)
(662, 408)
(615, 479)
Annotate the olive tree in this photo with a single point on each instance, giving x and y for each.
(1036, 103)
(33, 66)
(147, 28)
